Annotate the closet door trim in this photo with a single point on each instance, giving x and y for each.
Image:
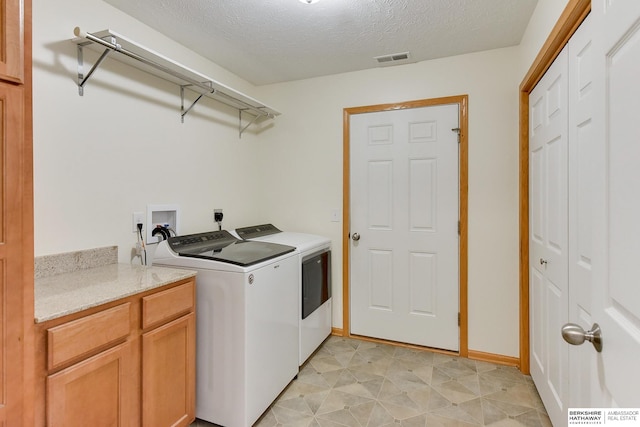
(571, 18)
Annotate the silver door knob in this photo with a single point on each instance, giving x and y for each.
(355, 237)
(575, 335)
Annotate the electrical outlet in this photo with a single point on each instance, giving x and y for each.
(217, 215)
(138, 218)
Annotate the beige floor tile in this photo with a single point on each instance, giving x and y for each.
(355, 383)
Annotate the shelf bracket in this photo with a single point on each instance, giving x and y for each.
(81, 78)
(184, 112)
(240, 128)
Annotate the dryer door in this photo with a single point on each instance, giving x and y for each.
(316, 281)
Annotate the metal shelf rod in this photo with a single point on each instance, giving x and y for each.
(206, 86)
(119, 49)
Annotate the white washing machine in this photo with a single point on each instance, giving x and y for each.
(314, 278)
(246, 322)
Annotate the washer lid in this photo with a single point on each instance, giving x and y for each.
(222, 246)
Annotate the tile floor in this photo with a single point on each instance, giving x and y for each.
(357, 383)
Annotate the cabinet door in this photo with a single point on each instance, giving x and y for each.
(12, 293)
(168, 374)
(99, 391)
(12, 40)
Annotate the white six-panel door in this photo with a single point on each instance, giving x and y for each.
(581, 151)
(404, 209)
(616, 191)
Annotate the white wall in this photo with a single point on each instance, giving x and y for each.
(540, 25)
(121, 146)
(308, 148)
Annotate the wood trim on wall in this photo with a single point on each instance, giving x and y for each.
(462, 101)
(498, 359)
(571, 18)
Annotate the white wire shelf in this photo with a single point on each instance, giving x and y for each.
(140, 57)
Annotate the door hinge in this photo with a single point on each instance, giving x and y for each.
(458, 318)
(457, 130)
(459, 226)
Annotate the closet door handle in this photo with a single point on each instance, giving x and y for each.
(355, 237)
(543, 261)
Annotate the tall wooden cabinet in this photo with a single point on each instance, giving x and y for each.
(16, 215)
(12, 56)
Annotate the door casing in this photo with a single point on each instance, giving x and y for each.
(462, 101)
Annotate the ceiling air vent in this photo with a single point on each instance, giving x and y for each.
(393, 59)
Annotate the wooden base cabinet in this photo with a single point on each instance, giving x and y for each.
(127, 363)
(95, 392)
(168, 373)
(168, 358)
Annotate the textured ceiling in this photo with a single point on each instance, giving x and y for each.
(269, 41)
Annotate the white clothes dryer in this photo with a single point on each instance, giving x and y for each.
(314, 278)
(246, 322)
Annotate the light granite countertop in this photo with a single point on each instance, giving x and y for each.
(61, 294)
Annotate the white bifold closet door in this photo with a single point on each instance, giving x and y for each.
(560, 150)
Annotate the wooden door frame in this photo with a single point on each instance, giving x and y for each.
(462, 101)
(574, 13)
